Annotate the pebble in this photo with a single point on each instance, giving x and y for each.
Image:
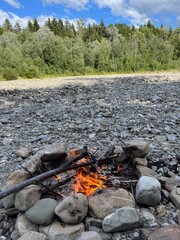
(107, 107)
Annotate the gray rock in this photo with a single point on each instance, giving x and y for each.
(160, 138)
(171, 137)
(92, 222)
(33, 163)
(23, 152)
(57, 231)
(175, 197)
(161, 210)
(33, 236)
(23, 225)
(140, 161)
(27, 197)
(110, 199)
(170, 183)
(148, 191)
(91, 235)
(73, 209)
(15, 178)
(42, 212)
(138, 148)
(54, 152)
(148, 218)
(95, 225)
(145, 171)
(15, 235)
(124, 218)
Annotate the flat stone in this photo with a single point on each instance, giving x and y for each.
(138, 148)
(27, 197)
(171, 183)
(73, 209)
(23, 225)
(148, 191)
(175, 197)
(145, 171)
(108, 200)
(54, 152)
(33, 236)
(124, 218)
(140, 161)
(57, 231)
(91, 235)
(170, 232)
(42, 212)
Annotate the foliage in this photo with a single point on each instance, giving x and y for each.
(10, 73)
(61, 47)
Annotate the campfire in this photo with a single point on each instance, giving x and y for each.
(87, 183)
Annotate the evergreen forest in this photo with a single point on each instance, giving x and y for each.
(62, 48)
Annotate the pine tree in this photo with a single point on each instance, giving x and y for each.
(35, 25)
(30, 26)
(7, 25)
(17, 28)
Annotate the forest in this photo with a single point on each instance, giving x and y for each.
(62, 48)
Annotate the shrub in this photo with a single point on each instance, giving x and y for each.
(10, 74)
(29, 71)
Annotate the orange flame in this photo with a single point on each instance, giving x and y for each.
(88, 183)
(85, 182)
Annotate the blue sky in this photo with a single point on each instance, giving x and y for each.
(130, 12)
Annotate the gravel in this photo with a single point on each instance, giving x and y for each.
(96, 111)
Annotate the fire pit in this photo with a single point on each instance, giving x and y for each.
(87, 194)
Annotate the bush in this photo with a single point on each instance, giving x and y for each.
(29, 71)
(10, 74)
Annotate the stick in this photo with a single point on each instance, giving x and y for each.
(38, 178)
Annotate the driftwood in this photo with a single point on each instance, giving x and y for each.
(53, 172)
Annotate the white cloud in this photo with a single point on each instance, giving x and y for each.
(75, 4)
(121, 8)
(156, 6)
(13, 18)
(13, 3)
(140, 11)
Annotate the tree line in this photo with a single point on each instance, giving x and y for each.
(64, 48)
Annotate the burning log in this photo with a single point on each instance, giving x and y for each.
(40, 177)
(51, 173)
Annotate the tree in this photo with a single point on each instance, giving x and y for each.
(35, 25)
(7, 25)
(17, 28)
(30, 26)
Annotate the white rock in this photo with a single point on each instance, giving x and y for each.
(148, 191)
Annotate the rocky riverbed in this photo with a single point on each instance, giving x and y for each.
(93, 111)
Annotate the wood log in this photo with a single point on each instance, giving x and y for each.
(40, 177)
(51, 173)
